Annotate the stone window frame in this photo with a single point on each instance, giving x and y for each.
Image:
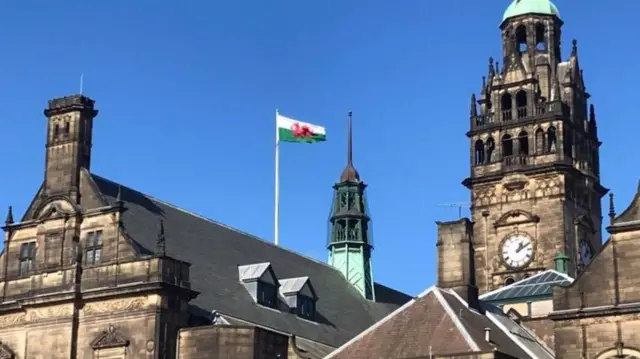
(93, 247)
(27, 257)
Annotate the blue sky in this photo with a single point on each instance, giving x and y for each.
(187, 92)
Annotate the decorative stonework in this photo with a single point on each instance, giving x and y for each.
(58, 311)
(12, 319)
(109, 339)
(115, 305)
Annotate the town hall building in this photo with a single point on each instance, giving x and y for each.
(96, 269)
(527, 276)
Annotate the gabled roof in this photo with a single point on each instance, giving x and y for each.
(216, 251)
(292, 285)
(252, 272)
(439, 323)
(537, 286)
(632, 212)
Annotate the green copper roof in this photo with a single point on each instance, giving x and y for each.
(535, 286)
(521, 7)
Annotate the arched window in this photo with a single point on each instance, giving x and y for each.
(540, 41)
(56, 130)
(523, 143)
(507, 146)
(66, 128)
(540, 141)
(506, 103)
(521, 103)
(521, 38)
(551, 139)
(479, 152)
(509, 281)
(490, 147)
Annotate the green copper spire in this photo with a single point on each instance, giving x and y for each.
(349, 228)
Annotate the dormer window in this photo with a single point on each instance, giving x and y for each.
(306, 307)
(267, 294)
(27, 257)
(300, 296)
(261, 283)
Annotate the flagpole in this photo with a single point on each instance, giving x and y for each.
(277, 184)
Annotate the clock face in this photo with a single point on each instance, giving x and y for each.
(517, 250)
(585, 252)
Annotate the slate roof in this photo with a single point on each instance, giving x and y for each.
(216, 251)
(538, 285)
(439, 323)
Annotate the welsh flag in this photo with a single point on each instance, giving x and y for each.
(290, 130)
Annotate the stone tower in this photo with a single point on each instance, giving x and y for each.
(534, 179)
(349, 232)
(68, 144)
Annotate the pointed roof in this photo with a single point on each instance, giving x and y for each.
(349, 174)
(538, 285)
(9, 219)
(439, 323)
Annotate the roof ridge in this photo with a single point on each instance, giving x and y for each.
(380, 322)
(210, 220)
(456, 321)
(510, 335)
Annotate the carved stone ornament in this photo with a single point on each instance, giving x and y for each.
(109, 339)
(117, 305)
(506, 218)
(6, 352)
(44, 313)
(12, 319)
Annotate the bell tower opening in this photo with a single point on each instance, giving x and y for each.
(536, 190)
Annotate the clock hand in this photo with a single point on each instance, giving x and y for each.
(522, 246)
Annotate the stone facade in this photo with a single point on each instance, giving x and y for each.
(534, 156)
(73, 285)
(598, 316)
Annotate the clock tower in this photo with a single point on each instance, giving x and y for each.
(534, 154)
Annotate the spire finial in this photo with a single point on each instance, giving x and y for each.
(612, 209)
(349, 174)
(574, 48)
(349, 138)
(119, 201)
(491, 68)
(9, 220)
(473, 112)
(592, 114)
(161, 244)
